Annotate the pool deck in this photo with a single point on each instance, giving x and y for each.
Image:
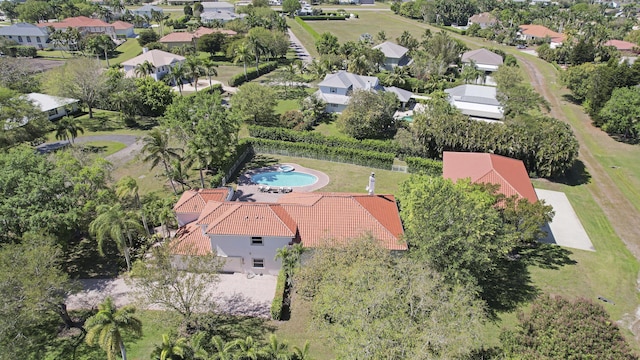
(247, 190)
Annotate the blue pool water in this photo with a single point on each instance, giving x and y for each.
(408, 118)
(278, 178)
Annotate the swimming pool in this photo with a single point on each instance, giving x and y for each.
(279, 178)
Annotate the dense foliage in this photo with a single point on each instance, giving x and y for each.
(557, 328)
(369, 115)
(426, 166)
(374, 305)
(239, 79)
(277, 304)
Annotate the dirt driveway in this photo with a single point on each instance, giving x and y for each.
(234, 294)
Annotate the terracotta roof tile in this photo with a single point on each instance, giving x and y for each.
(622, 45)
(122, 25)
(257, 219)
(177, 37)
(190, 240)
(194, 201)
(206, 31)
(509, 173)
(75, 22)
(540, 31)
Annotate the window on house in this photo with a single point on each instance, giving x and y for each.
(258, 263)
(19, 38)
(333, 90)
(28, 38)
(53, 112)
(38, 40)
(256, 240)
(334, 105)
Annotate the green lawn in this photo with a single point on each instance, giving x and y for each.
(128, 50)
(154, 324)
(104, 122)
(103, 148)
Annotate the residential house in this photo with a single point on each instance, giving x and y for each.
(336, 89)
(162, 62)
(540, 33)
(509, 174)
(123, 29)
(26, 34)
(394, 55)
(85, 26)
(218, 6)
(305, 10)
(54, 106)
(147, 10)
(623, 46)
(478, 102)
(247, 235)
(178, 39)
(221, 16)
(483, 60)
(485, 20)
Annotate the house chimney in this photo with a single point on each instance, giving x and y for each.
(372, 183)
(145, 49)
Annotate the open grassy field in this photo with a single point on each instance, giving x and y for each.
(128, 50)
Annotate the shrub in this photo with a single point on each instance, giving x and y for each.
(19, 51)
(308, 28)
(322, 17)
(427, 166)
(277, 305)
(252, 73)
(274, 133)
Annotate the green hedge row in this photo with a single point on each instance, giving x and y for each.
(428, 166)
(252, 73)
(322, 17)
(308, 28)
(19, 51)
(242, 146)
(283, 134)
(322, 152)
(277, 305)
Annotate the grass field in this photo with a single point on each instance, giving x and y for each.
(128, 50)
(103, 148)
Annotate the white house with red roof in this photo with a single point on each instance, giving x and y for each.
(484, 168)
(123, 29)
(539, 32)
(623, 46)
(248, 234)
(84, 25)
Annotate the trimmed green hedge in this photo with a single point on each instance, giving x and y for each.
(283, 134)
(242, 146)
(19, 51)
(308, 28)
(252, 73)
(322, 17)
(277, 305)
(322, 152)
(428, 166)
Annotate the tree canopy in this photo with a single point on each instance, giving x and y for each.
(621, 114)
(369, 115)
(373, 305)
(254, 104)
(21, 120)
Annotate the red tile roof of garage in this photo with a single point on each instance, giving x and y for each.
(250, 219)
(122, 25)
(191, 241)
(540, 31)
(76, 22)
(622, 45)
(194, 201)
(510, 174)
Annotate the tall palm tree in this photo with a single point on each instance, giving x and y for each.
(194, 68)
(248, 349)
(158, 150)
(171, 348)
(144, 69)
(242, 54)
(68, 129)
(277, 350)
(110, 326)
(114, 223)
(128, 186)
(179, 173)
(222, 350)
(198, 155)
(302, 353)
(209, 67)
(177, 73)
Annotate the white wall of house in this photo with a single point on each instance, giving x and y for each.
(250, 251)
(185, 218)
(54, 114)
(39, 42)
(335, 108)
(333, 90)
(128, 32)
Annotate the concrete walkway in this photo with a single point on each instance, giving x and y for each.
(247, 190)
(300, 50)
(234, 294)
(565, 229)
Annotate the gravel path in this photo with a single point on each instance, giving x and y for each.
(132, 142)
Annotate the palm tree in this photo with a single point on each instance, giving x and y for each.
(277, 350)
(210, 70)
(193, 66)
(109, 326)
(156, 146)
(302, 353)
(128, 186)
(144, 69)
(171, 348)
(248, 349)
(68, 129)
(222, 350)
(177, 73)
(179, 174)
(116, 224)
(197, 154)
(242, 53)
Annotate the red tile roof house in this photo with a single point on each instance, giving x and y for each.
(176, 39)
(84, 24)
(123, 29)
(623, 46)
(539, 32)
(248, 234)
(510, 174)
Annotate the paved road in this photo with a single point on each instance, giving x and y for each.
(300, 50)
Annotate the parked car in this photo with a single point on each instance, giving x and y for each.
(521, 46)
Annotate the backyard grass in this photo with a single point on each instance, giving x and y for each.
(128, 50)
(329, 128)
(103, 148)
(104, 122)
(154, 324)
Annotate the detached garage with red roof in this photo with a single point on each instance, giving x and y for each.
(510, 174)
